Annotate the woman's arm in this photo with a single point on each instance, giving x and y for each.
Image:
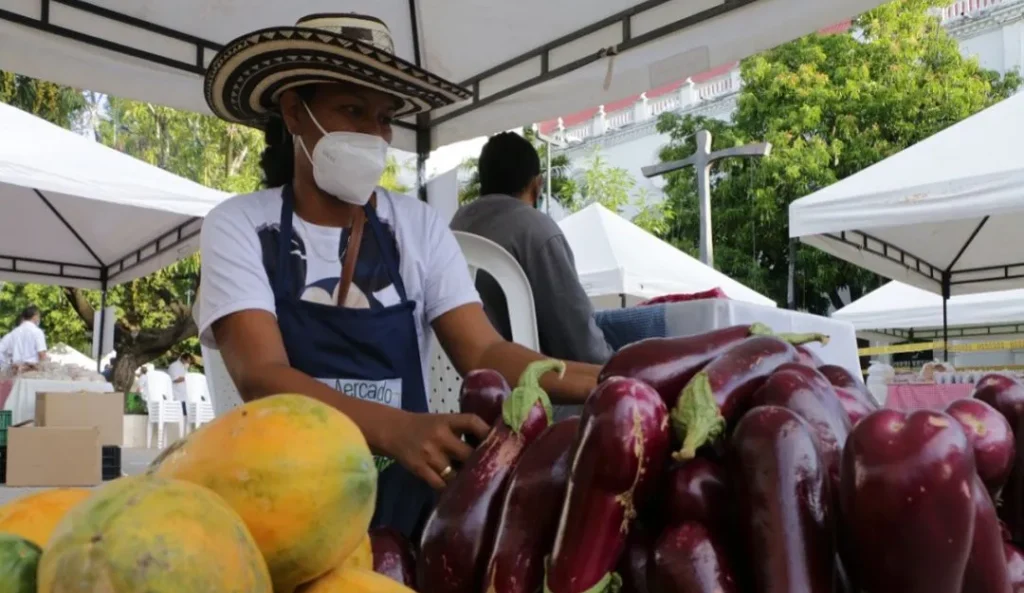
(250, 343)
(472, 343)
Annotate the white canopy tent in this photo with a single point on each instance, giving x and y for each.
(944, 215)
(525, 61)
(898, 312)
(77, 213)
(616, 257)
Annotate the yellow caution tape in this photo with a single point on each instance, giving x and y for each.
(938, 345)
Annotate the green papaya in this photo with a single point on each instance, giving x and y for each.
(19, 559)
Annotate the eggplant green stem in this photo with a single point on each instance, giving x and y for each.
(609, 583)
(696, 417)
(759, 329)
(516, 408)
(801, 339)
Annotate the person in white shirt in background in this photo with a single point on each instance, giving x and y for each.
(178, 370)
(26, 346)
(5, 351)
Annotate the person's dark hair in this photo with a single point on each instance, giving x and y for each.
(508, 163)
(185, 357)
(278, 158)
(29, 313)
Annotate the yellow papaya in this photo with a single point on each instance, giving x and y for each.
(355, 580)
(362, 557)
(297, 471)
(34, 516)
(156, 535)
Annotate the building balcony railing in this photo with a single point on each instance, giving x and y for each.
(692, 94)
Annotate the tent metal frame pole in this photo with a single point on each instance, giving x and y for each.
(103, 323)
(627, 40)
(945, 317)
(964, 276)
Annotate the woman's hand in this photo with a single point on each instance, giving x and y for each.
(429, 444)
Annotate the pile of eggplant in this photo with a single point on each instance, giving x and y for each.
(730, 462)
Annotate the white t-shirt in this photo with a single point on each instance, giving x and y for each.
(239, 255)
(176, 370)
(25, 343)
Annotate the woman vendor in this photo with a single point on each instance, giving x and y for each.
(328, 285)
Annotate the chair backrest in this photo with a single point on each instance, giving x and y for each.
(196, 387)
(159, 386)
(484, 254)
(223, 393)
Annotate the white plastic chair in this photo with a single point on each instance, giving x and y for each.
(162, 407)
(484, 254)
(223, 394)
(200, 410)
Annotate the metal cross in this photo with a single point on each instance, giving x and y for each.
(701, 161)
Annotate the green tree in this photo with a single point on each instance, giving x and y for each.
(830, 105)
(390, 179)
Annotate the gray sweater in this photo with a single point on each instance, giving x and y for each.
(565, 316)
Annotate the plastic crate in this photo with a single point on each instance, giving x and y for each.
(3, 437)
(3, 464)
(111, 463)
(6, 418)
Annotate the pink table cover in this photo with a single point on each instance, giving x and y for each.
(5, 391)
(932, 396)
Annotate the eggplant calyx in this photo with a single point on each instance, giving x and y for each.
(696, 417)
(516, 407)
(801, 339)
(609, 583)
(759, 329)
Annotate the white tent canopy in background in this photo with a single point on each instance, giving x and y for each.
(895, 308)
(78, 213)
(948, 208)
(66, 355)
(526, 61)
(614, 256)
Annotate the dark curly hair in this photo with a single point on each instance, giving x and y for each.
(278, 158)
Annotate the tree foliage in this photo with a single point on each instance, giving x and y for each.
(830, 105)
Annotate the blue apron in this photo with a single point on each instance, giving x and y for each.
(367, 353)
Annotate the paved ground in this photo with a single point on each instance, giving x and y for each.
(133, 461)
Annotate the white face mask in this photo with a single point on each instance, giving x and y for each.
(346, 165)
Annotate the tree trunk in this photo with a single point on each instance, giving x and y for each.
(137, 346)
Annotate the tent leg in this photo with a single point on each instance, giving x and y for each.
(945, 317)
(791, 281)
(423, 139)
(622, 299)
(103, 324)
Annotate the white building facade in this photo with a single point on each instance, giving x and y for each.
(626, 135)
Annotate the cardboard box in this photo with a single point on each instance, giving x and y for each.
(54, 457)
(82, 409)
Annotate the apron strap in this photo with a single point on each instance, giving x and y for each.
(284, 242)
(387, 252)
(348, 268)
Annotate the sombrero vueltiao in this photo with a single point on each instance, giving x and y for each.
(246, 78)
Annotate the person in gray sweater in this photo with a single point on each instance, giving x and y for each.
(506, 213)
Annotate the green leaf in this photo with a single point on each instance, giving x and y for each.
(517, 406)
(696, 417)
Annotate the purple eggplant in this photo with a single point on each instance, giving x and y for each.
(529, 516)
(456, 540)
(668, 364)
(393, 555)
(986, 570)
(637, 559)
(853, 403)
(482, 393)
(718, 395)
(840, 377)
(1006, 394)
(812, 398)
(991, 439)
(907, 509)
(784, 502)
(620, 454)
(687, 559)
(809, 357)
(697, 490)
